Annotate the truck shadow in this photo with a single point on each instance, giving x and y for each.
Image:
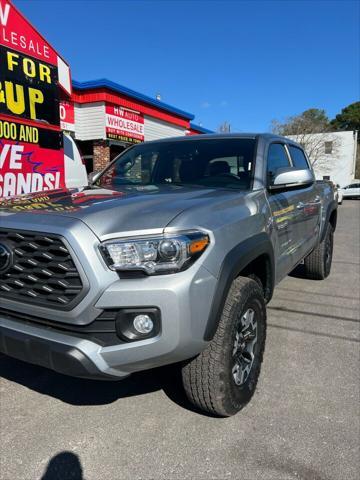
(77, 391)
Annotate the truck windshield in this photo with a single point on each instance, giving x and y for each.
(214, 163)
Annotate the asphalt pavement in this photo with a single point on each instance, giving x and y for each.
(303, 422)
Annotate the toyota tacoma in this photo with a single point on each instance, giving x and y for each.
(168, 257)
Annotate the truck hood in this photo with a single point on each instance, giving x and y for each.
(106, 211)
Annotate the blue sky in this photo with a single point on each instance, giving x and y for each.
(246, 62)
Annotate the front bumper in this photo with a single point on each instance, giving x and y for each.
(60, 354)
(184, 300)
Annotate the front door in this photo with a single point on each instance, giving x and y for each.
(285, 213)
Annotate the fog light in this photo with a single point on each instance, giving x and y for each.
(133, 324)
(143, 324)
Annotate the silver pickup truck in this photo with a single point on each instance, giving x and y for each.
(169, 257)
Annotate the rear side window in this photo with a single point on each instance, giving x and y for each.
(277, 158)
(298, 158)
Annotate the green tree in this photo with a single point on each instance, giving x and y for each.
(348, 119)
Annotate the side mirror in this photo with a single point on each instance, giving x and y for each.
(291, 178)
(93, 176)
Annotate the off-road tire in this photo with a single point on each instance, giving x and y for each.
(208, 378)
(317, 265)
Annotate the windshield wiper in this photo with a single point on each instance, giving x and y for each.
(182, 184)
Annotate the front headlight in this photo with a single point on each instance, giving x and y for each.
(155, 255)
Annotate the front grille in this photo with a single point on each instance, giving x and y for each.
(42, 271)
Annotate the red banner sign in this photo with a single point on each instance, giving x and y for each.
(18, 34)
(31, 159)
(67, 116)
(123, 124)
(31, 142)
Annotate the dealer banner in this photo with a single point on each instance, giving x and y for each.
(31, 159)
(28, 88)
(17, 34)
(32, 75)
(123, 124)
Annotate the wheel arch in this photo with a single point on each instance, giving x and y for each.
(331, 216)
(254, 256)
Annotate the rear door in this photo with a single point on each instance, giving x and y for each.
(283, 205)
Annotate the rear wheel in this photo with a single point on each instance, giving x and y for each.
(222, 379)
(317, 265)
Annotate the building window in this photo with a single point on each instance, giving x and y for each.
(328, 147)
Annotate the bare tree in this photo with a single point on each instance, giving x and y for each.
(310, 121)
(312, 130)
(225, 127)
(319, 147)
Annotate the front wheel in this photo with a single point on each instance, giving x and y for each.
(222, 379)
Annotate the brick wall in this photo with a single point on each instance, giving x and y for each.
(101, 152)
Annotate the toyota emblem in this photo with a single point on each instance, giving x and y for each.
(5, 258)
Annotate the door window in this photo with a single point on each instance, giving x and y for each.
(277, 158)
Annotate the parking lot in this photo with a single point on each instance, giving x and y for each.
(303, 422)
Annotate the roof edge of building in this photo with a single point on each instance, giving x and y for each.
(200, 129)
(105, 83)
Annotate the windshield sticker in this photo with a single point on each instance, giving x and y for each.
(58, 201)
